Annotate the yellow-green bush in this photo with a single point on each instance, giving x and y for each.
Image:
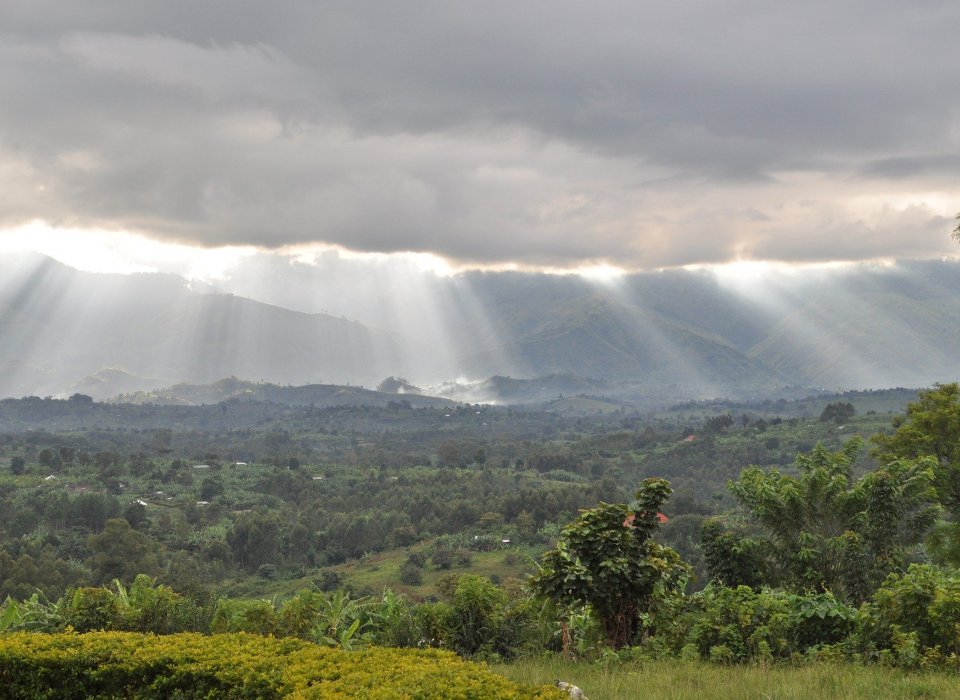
(127, 665)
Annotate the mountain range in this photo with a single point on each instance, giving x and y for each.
(682, 333)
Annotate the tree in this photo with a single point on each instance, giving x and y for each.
(411, 574)
(17, 465)
(120, 552)
(956, 231)
(605, 559)
(732, 559)
(828, 532)
(256, 539)
(49, 458)
(838, 412)
(716, 424)
(931, 426)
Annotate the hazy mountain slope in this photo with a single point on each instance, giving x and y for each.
(112, 381)
(696, 300)
(560, 325)
(687, 333)
(68, 325)
(896, 327)
(596, 338)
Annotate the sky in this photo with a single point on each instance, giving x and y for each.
(194, 136)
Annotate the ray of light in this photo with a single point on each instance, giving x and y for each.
(125, 252)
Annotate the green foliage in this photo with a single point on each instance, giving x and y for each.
(606, 559)
(35, 614)
(123, 665)
(152, 607)
(732, 625)
(913, 619)
(477, 612)
(931, 427)
(716, 424)
(91, 609)
(339, 620)
(363, 487)
(732, 558)
(943, 543)
(830, 533)
(253, 616)
(838, 412)
(120, 552)
(392, 621)
(411, 574)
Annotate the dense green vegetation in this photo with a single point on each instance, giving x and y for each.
(264, 493)
(772, 537)
(124, 665)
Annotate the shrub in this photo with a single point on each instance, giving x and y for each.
(121, 665)
(411, 574)
(739, 624)
(92, 609)
(913, 618)
(256, 616)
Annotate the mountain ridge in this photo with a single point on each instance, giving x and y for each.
(687, 332)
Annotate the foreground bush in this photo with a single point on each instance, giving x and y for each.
(913, 620)
(733, 625)
(128, 665)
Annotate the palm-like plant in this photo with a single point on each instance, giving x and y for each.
(831, 532)
(340, 617)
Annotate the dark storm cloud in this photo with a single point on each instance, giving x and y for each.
(542, 132)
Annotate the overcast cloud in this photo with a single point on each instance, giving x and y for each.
(554, 133)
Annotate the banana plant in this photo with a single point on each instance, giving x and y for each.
(340, 618)
(9, 615)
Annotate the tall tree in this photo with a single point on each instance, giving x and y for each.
(828, 531)
(931, 426)
(120, 552)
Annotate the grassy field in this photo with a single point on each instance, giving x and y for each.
(677, 680)
(374, 573)
(382, 570)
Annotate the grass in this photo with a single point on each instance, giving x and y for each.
(679, 680)
(375, 573)
(382, 571)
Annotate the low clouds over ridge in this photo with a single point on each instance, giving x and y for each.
(547, 133)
